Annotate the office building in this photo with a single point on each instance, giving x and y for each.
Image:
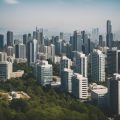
(32, 48)
(64, 63)
(101, 40)
(9, 38)
(10, 51)
(5, 70)
(114, 94)
(79, 86)
(66, 80)
(113, 62)
(77, 41)
(20, 51)
(97, 65)
(1, 42)
(99, 94)
(109, 36)
(44, 73)
(80, 62)
(25, 39)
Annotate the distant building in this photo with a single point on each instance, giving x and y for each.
(114, 93)
(5, 70)
(20, 51)
(1, 42)
(44, 73)
(25, 39)
(79, 86)
(9, 38)
(66, 80)
(101, 40)
(97, 65)
(109, 36)
(32, 51)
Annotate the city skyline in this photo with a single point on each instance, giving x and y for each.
(58, 15)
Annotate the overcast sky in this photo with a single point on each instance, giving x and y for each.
(60, 15)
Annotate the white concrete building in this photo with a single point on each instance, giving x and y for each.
(3, 56)
(44, 73)
(79, 86)
(97, 65)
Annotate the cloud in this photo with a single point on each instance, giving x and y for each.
(11, 2)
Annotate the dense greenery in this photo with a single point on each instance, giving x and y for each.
(46, 103)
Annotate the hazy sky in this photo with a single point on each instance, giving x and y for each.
(60, 15)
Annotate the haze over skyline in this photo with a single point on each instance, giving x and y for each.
(59, 15)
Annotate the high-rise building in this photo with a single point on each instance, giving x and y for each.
(113, 61)
(20, 51)
(29, 51)
(77, 41)
(9, 38)
(101, 40)
(1, 42)
(52, 54)
(32, 51)
(114, 93)
(109, 36)
(10, 51)
(5, 70)
(86, 43)
(79, 86)
(95, 35)
(44, 73)
(64, 63)
(97, 65)
(25, 39)
(66, 80)
(61, 35)
(81, 64)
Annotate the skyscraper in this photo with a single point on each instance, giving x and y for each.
(101, 40)
(32, 48)
(81, 64)
(66, 80)
(1, 41)
(109, 36)
(29, 51)
(77, 41)
(25, 39)
(9, 38)
(97, 65)
(113, 62)
(20, 51)
(64, 63)
(114, 93)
